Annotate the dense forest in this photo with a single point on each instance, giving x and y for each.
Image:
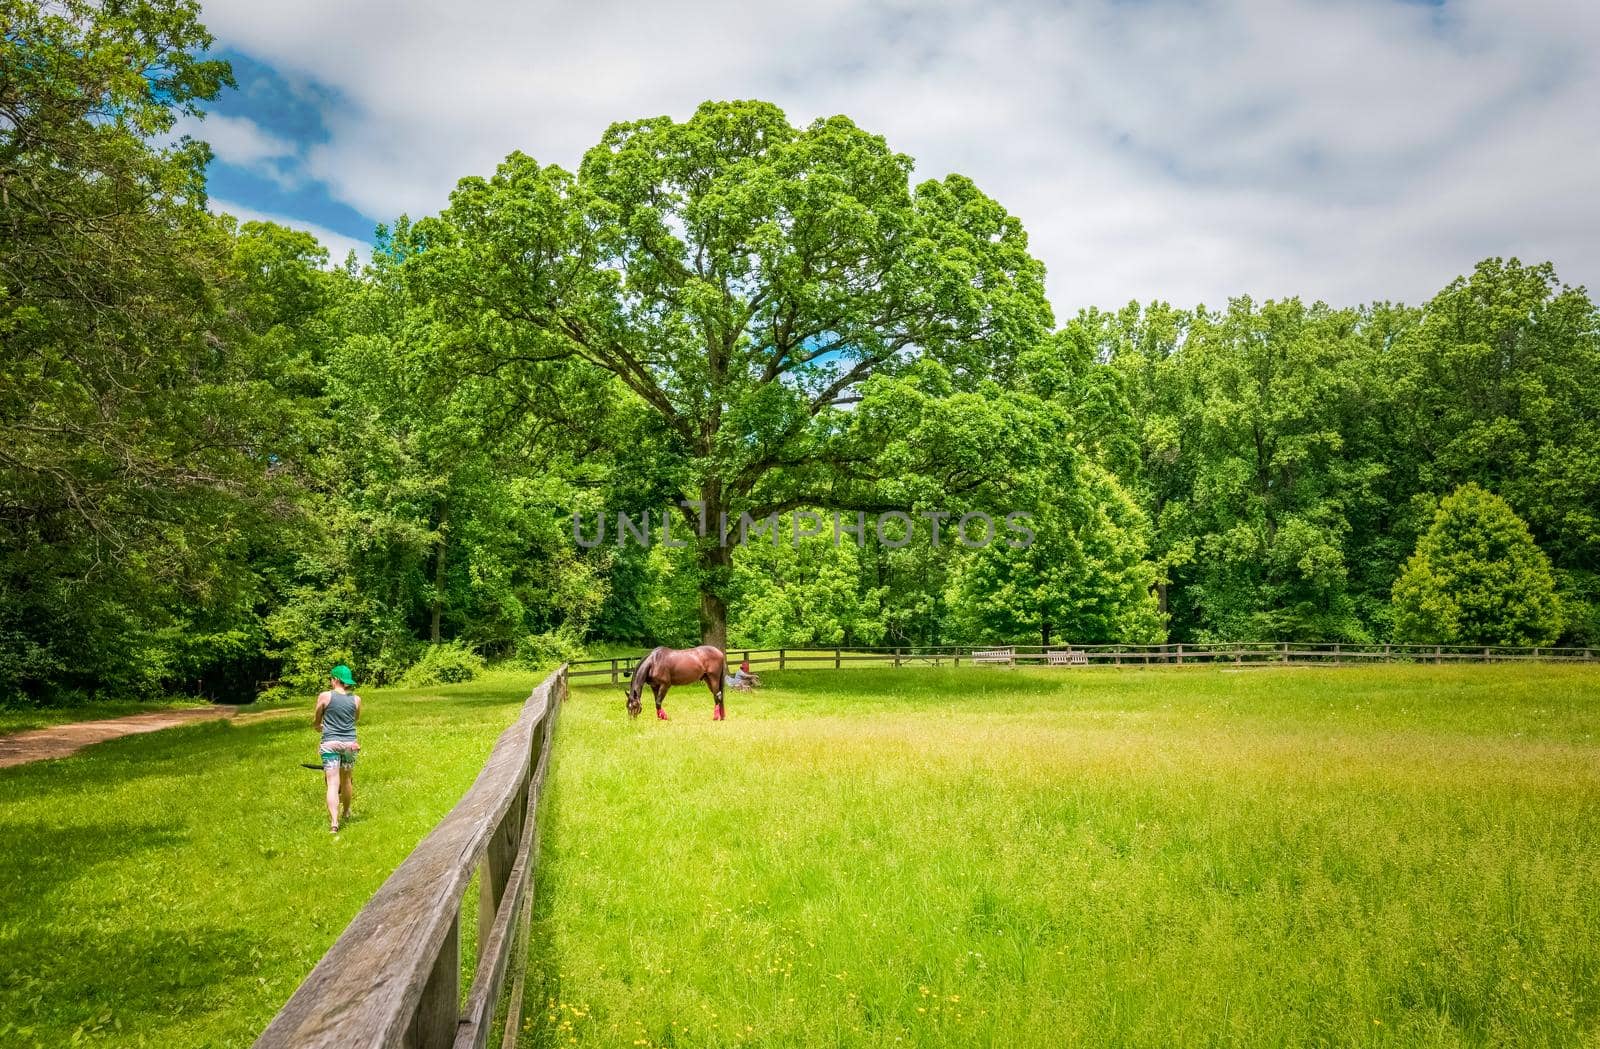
(227, 460)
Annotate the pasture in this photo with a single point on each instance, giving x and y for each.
(172, 889)
(1391, 855)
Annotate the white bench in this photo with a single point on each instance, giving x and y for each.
(1008, 656)
(1060, 657)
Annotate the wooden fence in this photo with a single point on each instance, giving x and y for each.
(393, 979)
(1282, 652)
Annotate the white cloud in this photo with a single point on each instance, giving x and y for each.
(338, 245)
(241, 142)
(1186, 149)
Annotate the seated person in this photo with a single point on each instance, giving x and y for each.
(743, 678)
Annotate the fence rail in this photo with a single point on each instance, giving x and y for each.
(393, 978)
(620, 668)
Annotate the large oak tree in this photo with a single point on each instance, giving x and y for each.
(775, 297)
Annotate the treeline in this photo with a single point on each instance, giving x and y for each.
(1291, 457)
(1264, 472)
(224, 463)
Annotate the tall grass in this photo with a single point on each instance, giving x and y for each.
(990, 857)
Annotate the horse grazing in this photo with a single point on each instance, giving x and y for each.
(665, 667)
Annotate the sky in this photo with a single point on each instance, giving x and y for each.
(1183, 150)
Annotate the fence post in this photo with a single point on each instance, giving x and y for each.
(1336, 653)
(897, 655)
(495, 870)
(1436, 658)
(439, 1011)
(837, 659)
(613, 671)
(781, 663)
(1180, 653)
(1486, 653)
(1386, 652)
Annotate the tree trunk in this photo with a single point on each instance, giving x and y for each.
(713, 621)
(716, 570)
(1044, 633)
(438, 573)
(715, 564)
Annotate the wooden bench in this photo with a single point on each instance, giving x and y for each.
(1066, 657)
(1007, 656)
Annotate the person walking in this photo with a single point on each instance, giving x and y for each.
(336, 715)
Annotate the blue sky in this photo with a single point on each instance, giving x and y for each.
(1187, 150)
(293, 115)
(262, 133)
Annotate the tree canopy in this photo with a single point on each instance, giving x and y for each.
(226, 463)
(1477, 578)
(747, 281)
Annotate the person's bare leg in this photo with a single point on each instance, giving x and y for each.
(331, 773)
(347, 791)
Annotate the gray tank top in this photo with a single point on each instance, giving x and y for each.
(339, 718)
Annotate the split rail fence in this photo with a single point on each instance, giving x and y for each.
(619, 669)
(393, 978)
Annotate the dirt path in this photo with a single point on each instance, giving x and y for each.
(58, 741)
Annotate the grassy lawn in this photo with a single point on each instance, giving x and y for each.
(21, 719)
(1402, 856)
(172, 889)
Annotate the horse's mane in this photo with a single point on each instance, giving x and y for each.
(645, 664)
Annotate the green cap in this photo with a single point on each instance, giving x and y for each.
(341, 673)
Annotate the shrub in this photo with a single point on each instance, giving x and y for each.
(1579, 592)
(446, 663)
(279, 692)
(1477, 578)
(537, 651)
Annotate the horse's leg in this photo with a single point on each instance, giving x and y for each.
(661, 695)
(714, 682)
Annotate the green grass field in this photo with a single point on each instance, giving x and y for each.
(1400, 856)
(172, 889)
(990, 857)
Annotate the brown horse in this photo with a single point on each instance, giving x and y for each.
(665, 667)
